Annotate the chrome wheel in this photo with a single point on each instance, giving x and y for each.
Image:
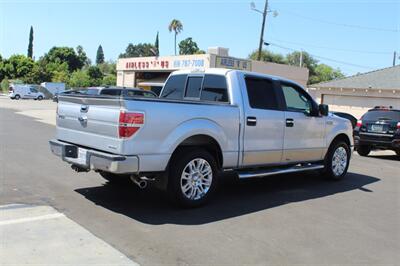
(339, 161)
(196, 179)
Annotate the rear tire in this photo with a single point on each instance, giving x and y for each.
(192, 177)
(363, 150)
(17, 97)
(115, 178)
(337, 160)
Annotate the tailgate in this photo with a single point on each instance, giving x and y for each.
(90, 121)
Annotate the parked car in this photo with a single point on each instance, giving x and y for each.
(204, 123)
(348, 116)
(17, 92)
(55, 97)
(379, 128)
(129, 92)
(54, 87)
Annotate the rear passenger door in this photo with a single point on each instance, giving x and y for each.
(264, 122)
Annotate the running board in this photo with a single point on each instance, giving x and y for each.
(278, 171)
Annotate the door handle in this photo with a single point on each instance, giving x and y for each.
(289, 122)
(251, 121)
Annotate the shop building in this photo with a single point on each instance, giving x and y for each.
(151, 72)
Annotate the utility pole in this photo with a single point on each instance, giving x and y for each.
(394, 58)
(301, 58)
(262, 30)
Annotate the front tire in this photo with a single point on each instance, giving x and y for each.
(363, 150)
(192, 177)
(17, 97)
(40, 98)
(337, 161)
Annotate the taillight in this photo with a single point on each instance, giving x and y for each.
(398, 125)
(129, 123)
(359, 123)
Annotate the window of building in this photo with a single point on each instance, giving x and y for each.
(261, 93)
(214, 89)
(193, 87)
(174, 87)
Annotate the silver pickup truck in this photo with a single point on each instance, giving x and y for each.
(203, 123)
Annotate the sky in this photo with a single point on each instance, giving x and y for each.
(353, 35)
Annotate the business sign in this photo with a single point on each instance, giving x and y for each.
(232, 63)
(163, 63)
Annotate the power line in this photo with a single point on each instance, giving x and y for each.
(360, 27)
(333, 48)
(324, 58)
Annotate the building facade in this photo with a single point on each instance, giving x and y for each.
(356, 94)
(151, 72)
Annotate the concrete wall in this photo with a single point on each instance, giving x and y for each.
(298, 74)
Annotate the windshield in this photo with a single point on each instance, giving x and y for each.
(382, 115)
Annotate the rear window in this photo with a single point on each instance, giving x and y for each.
(382, 115)
(174, 87)
(140, 93)
(214, 89)
(193, 87)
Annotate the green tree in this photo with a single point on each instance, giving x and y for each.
(5, 84)
(95, 75)
(108, 68)
(176, 27)
(109, 80)
(79, 78)
(18, 66)
(85, 61)
(139, 50)
(66, 55)
(157, 45)
(268, 56)
(188, 46)
(30, 45)
(325, 73)
(99, 56)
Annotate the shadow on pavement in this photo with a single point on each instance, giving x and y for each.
(385, 157)
(233, 198)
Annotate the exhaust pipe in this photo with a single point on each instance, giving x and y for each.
(79, 169)
(139, 181)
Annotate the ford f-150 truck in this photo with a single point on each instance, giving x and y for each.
(203, 123)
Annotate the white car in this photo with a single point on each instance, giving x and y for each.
(17, 92)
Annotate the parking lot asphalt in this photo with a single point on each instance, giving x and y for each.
(285, 220)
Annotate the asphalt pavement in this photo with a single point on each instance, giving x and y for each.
(279, 220)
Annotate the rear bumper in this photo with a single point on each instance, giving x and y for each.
(94, 160)
(377, 141)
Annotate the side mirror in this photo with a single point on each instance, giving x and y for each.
(323, 109)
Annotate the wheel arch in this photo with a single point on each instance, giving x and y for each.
(203, 141)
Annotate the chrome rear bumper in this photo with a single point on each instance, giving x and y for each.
(94, 160)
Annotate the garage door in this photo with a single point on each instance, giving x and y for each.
(359, 101)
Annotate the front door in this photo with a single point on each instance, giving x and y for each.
(304, 132)
(264, 123)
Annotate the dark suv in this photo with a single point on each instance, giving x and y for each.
(379, 128)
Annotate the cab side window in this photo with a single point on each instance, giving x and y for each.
(33, 90)
(261, 93)
(174, 87)
(296, 100)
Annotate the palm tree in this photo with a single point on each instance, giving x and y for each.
(175, 26)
